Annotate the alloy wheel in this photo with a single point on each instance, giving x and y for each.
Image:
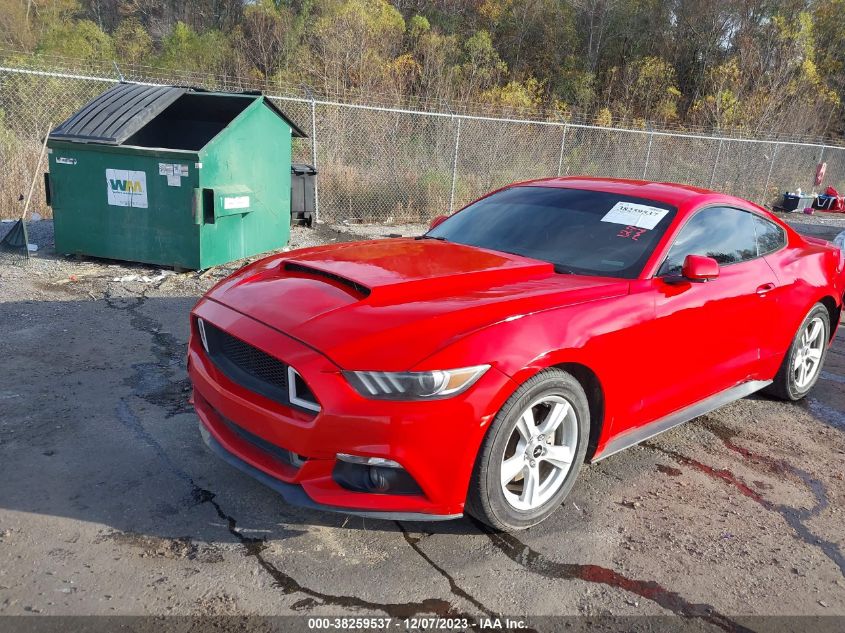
(539, 452)
(807, 360)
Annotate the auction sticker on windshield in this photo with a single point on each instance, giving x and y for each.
(632, 214)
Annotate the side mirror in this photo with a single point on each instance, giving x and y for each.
(437, 221)
(698, 268)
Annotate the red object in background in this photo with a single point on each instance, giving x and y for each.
(821, 169)
(838, 203)
(655, 345)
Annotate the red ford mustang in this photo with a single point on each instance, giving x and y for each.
(477, 367)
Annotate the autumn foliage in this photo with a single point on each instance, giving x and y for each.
(758, 66)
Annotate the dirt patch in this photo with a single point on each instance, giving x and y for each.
(178, 548)
(148, 546)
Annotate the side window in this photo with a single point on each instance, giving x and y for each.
(727, 235)
(770, 237)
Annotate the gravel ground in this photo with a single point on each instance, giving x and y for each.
(47, 272)
(110, 503)
(819, 217)
(374, 231)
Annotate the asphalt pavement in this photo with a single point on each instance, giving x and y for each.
(110, 504)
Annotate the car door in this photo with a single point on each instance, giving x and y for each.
(706, 336)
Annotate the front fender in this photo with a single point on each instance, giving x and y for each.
(597, 334)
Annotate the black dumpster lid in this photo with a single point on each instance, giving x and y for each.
(123, 110)
(117, 114)
(303, 169)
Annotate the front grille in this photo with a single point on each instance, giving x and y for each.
(253, 361)
(247, 365)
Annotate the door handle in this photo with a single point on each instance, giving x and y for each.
(762, 290)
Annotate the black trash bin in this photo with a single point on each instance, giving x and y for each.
(302, 193)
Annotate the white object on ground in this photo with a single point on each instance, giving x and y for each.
(145, 278)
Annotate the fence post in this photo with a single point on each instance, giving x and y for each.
(117, 70)
(648, 153)
(716, 163)
(314, 156)
(562, 143)
(769, 176)
(455, 166)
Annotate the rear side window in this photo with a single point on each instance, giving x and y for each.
(727, 235)
(770, 237)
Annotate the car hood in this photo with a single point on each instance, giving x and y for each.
(388, 304)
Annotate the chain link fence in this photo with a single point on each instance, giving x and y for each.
(391, 165)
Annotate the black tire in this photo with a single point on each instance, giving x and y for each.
(485, 500)
(784, 385)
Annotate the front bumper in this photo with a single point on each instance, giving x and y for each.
(295, 495)
(294, 451)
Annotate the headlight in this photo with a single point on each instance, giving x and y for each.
(414, 385)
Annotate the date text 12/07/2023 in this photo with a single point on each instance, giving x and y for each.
(420, 623)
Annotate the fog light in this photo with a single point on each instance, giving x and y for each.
(368, 461)
(379, 479)
(375, 475)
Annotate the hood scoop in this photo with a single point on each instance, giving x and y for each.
(405, 270)
(309, 271)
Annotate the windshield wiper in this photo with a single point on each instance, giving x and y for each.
(430, 237)
(563, 270)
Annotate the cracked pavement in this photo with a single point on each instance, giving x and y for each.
(110, 503)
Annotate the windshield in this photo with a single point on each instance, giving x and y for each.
(580, 231)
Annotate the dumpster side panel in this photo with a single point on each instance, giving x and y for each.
(245, 175)
(118, 203)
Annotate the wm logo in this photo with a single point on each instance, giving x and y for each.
(128, 186)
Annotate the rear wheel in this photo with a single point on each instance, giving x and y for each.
(803, 362)
(532, 453)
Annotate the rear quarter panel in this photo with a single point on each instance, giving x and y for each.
(807, 273)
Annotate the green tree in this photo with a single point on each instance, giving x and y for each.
(352, 44)
(435, 56)
(516, 95)
(81, 39)
(184, 49)
(644, 89)
(132, 43)
(772, 83)
(269, 33)
(481, 67)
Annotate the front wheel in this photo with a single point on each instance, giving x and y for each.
(803, 362)
(532, 453)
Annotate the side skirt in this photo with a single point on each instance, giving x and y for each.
(642, 433)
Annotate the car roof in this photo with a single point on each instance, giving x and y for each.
(668, 192)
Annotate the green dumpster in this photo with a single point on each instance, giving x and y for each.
(171, 176)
